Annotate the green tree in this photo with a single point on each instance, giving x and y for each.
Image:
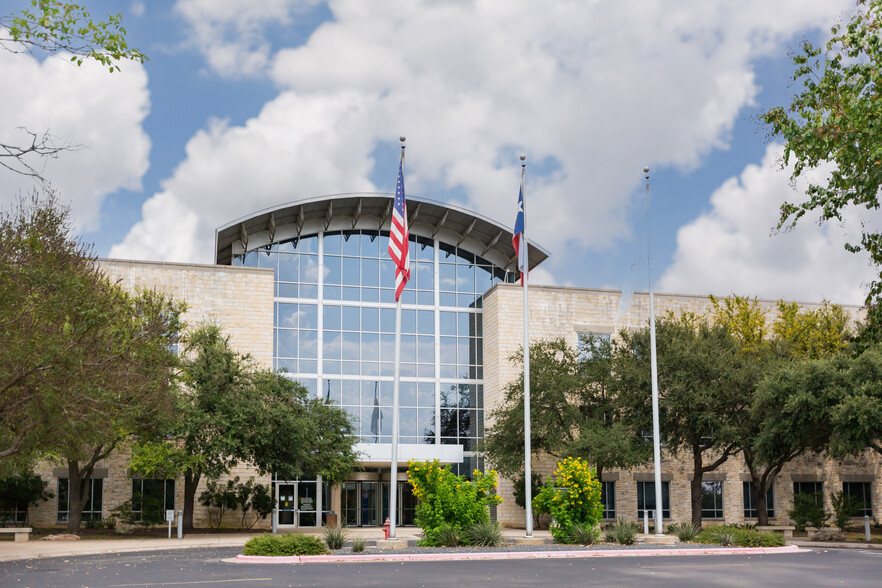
(837, 118)
(230, 411)
(52, 27)
(786, 398)
(574, 411)
(698, 381)
(857, 418)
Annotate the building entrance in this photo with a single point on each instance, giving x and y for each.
(366, 504)
(298, 503)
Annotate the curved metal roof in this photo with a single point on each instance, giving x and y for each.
(371, 210)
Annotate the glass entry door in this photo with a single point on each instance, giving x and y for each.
(297, 503)
(406, 504)
(360, 504)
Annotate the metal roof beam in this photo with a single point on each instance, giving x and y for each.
(243, 236)
(386, 215)
(271, 228)
(329, 214)
(416, 213)
(465, 235)
(492, 243)
(300, 221)
(357, 214)
(440, 223)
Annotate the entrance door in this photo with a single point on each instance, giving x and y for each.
(406, 504)
(359, 502)
(286, 498)
(306, 504)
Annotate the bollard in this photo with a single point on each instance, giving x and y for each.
(275, 521)
(180, 524)
(646, 522)
(867, 528)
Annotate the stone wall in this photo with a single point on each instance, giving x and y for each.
(240, 300)
(566, 312)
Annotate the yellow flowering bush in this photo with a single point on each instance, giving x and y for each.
(571, 497)
(448, 499)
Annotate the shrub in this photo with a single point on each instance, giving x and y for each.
(622, 531)
(152, 512)
(740, 536)
(806, 511)
(844, 508)
(447, 536)
(450, 500)
(285, 544)
(684, 531)
(571, 498)
(582, 535)
(335, 537)
(19, 492)
(485, 534)
(218, 499)
(357, 544)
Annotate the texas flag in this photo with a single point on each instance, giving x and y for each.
(519, 240)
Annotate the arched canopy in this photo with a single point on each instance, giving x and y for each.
(372, 211)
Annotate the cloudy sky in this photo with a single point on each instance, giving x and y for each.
(245, 105)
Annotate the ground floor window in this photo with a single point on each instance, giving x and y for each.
(712, 500)
(860, 492)
(94, 500)
(646, 499)
(151, 498)
(608, 498)
(816, 489)
(13, 516)
(750, 511)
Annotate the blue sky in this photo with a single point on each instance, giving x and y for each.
(245, 105)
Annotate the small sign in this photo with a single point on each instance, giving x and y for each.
(170, 516)
(306, 504)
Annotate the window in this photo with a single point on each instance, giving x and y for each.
(592, 343)
(646, 499)
(608, 498)
(815, 488)
(749, 506)
(94, 500)
(860, 492)
(712, 500)
(151, 498)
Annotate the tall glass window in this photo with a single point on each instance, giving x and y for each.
(335, 331)
(646, 499)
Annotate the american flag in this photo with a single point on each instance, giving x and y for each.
(398, 236)
(519, 240)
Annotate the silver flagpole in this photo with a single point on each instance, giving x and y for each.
(656, 436)
(528, 475)
(393, 470)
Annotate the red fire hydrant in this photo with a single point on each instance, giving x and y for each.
(386, 528)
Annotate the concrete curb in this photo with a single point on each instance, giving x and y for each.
(405, 557)
(836, 545)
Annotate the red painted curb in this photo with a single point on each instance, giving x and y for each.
(393, 557)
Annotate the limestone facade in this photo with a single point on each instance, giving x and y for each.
(565, 312)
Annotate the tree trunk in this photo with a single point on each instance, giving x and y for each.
(191, 481)
(75, 490)
(759, 499)
(695, 486)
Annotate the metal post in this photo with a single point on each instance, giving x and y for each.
(645, 522)
(528, 466)
(867, 528)
(275, 519)
(656, 436)
(180, 524)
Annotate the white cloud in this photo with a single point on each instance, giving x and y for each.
(230, 34)
(85, 106)
(598, 89)
(732, 249)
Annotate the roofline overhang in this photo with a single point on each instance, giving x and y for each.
(427, 218)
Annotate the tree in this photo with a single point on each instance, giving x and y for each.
(76, 347)
(230, 411)
(129, 394)
(785, 397)
(836, 118)
(857, 418)
(698, 374)
(52, 27)
(573, 412)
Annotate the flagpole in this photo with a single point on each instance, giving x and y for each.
(528, 474)
(656, 436)
(393, 470)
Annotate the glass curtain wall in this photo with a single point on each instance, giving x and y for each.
(335, 332)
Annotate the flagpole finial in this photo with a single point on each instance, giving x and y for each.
(646, 171)
(523, 157)
(402, 139)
